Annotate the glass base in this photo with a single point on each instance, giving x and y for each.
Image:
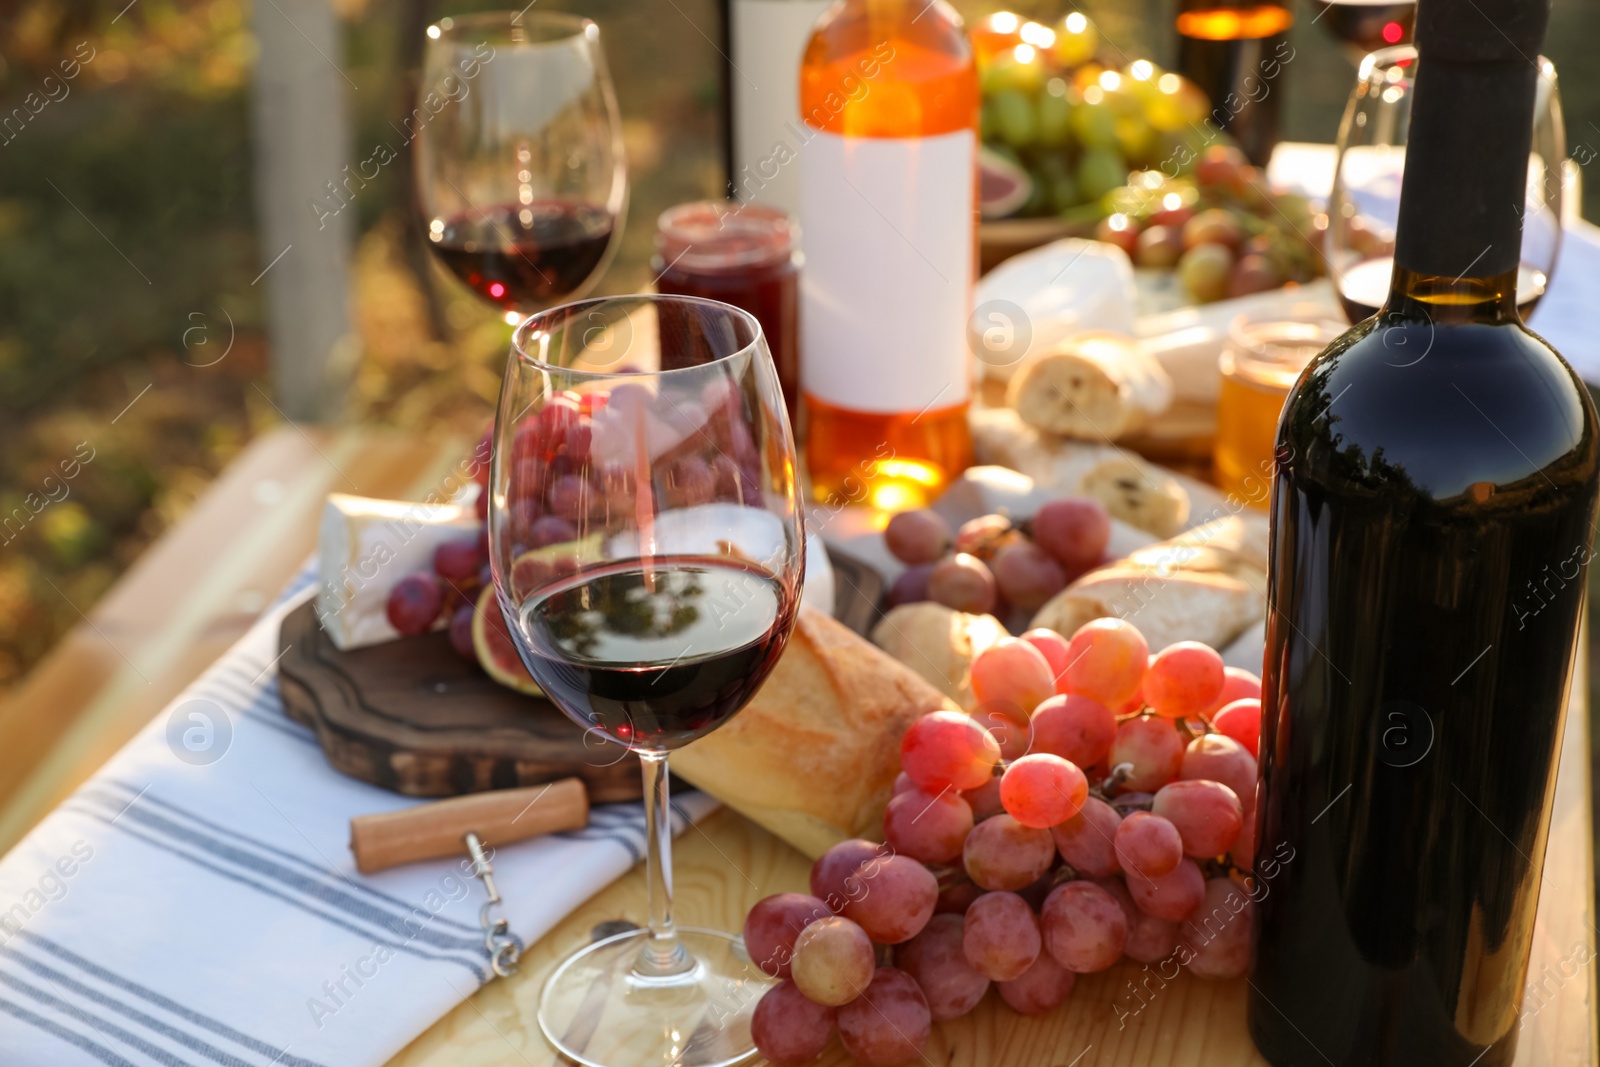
(599, 1009)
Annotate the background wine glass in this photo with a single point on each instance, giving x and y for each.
(1365, 200)
(647, 551)
(520, 172)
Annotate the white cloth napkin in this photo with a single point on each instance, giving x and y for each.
(185, 910)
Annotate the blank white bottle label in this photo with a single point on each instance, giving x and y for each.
(887, 284)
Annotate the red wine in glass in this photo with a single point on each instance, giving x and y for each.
(657, 653)
(1367, 25)
(1364, 287)
(521, 256)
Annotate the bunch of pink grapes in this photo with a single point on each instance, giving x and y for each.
(1100, 803)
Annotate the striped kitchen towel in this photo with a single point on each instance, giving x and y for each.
(196, 903)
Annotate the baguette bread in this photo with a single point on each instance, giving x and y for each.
(814, 755)
(1095, 386)
(939, 643)
(1208, 584)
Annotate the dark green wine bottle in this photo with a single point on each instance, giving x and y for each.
(1432, 526)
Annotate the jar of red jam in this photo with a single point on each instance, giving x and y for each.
(744, 255)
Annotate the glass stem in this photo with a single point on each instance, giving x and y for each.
(663, 955)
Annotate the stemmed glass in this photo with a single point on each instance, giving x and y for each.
(519, 165)
(1365, 200)
(647, 551)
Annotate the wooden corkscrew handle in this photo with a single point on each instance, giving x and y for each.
(499, 817)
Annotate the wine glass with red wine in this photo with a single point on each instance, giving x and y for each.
(647, 550)
(1364, 204)
(519, 164)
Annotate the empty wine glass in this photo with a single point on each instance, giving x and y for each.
(1364, 204)
(519, 165)
(647, 551)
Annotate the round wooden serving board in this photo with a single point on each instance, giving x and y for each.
(413, 716)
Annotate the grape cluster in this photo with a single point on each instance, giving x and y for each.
(992, 565)
(1100, 804)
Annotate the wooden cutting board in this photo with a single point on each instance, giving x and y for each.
(413, 716)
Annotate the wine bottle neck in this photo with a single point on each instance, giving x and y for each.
(1466, 171)
(1488, 299)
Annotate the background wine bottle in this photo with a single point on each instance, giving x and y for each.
(1432, 524)
(1234, 50)
(888, 210)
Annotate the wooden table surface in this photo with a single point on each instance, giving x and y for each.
(203, 583)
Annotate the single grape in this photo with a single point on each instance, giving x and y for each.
(833, 961)
(919, 536)
(772, 926)
(458, 560)
(832, 870)
(1053, 647)
(1153, 747)
(1237, 683)
(573, 497)
(1241, 721)
(1001, 937)
(902, 784)
(1218, 933)
(1183, 679)
(558, 416)
(789, 1028)
(1011, 676)
(1214, 226)
(1174, 895)
(685, 484)
(929, 827)
(414, 603)
(551, 530)
(888, 1025)
(1084, 927)
(948, 750)
(1074, 530)
(964, 583)
(1026, 575)
(935, 961)
(985, 800)
(1001, 853)
(1207, 815)
(912, 585)
(1041, 790)
(1205, 271)
(461, 633)
(981, 536)
(1040, 989)
(1148, 845)
(1087, 841)
(1074, 727)
(1253, 273)
(1220, 758)
(1106, 661)
(1150, 940)
(897, 899)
